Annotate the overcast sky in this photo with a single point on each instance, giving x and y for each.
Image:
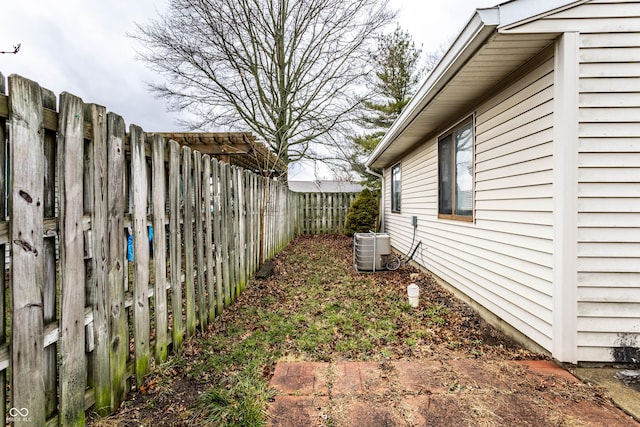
(81, 47)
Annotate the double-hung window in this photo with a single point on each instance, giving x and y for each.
(455, 173)
(396, 188)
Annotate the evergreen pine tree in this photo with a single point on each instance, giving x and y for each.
(397, 73)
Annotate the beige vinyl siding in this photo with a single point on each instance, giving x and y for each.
(608, 248)
(514, 193)
(419, 197)
(596, 16)
(609, 184)
(503, 260)
(386, 201)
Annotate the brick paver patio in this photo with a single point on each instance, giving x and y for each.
(434, 393)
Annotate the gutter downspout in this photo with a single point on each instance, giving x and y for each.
(381, 206)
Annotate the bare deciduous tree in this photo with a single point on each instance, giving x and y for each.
(287, 69)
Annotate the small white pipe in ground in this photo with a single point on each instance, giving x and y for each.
(414, 294)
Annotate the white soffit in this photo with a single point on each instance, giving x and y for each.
(468, 68)
(470, 39)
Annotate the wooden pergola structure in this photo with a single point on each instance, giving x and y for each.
(236, 148)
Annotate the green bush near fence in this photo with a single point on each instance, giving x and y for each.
(363, 214)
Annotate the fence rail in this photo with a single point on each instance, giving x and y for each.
(84, 320)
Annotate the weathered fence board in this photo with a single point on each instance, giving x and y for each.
(116, 262)
(26, 235)
(159, 249)
(242, 231)
(72, 335)
(49, 254)
(189, 288)
(199, 238)
(3, 250)
(175, 242)
(250, 239)
(141, 253)
(225, 215)
(234, 250)
(217, 233)
(268, 203)
(208, 235)
(100, 377)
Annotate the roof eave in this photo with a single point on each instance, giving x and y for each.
(482, 24)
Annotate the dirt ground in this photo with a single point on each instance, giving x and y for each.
(453, 332)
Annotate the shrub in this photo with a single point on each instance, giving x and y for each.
(363, 214)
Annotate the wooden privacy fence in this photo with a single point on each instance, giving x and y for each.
(85, 322)
(323, 213)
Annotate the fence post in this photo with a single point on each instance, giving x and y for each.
(233, 232)
(318, 214)
(49, 254)
(326, 210)
(141, 253)
(298, 216)
(26, 231)
(118, 333)
(308, 218)
(217, 232)
(266, 200)
(241, 240)
(272, 217)
(262, 233)
(310, 214)
(257, 233)
(3, 252)
(175, 243)
(225, 212)
(207, 186)
(72, 334)
(300, 197)
(199, 238)
(100, 375)
(249, 224)
(189, 287)
(159, 248)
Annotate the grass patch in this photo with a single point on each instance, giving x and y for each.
(242, 403)
(315, 308)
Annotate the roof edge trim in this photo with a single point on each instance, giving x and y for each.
(483, 23)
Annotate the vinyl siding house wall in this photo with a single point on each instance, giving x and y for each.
(552, 250)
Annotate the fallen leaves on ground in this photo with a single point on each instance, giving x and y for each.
(314, 307)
